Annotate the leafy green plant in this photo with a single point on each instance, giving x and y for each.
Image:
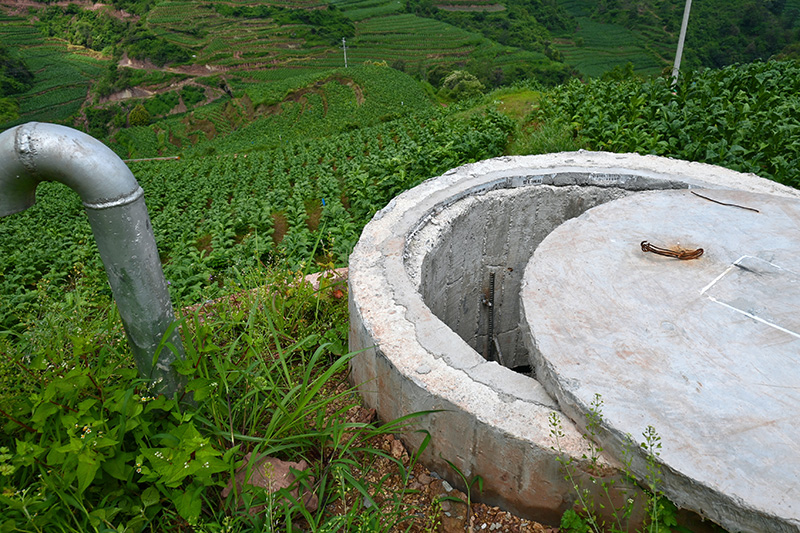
(587, 521)
(742, 117)
(214, 215)
(586, 516)
(86, 447)
(468, 482)
(461, 85)
(139, 116)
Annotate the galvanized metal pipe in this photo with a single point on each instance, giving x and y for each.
(114, 202)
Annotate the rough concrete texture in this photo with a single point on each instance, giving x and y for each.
(492, 234)
(491, 421)
(705, 350)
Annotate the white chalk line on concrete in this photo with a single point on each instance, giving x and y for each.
(736, 309)
(720, 276)
(754, 317)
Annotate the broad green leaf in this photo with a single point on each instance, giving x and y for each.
(88, 464)
(150, 496)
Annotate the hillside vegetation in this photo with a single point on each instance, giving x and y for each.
(720, 32)
(297, 178)
(745, 117)
(101, 55)
(295, 171)
(279, 155)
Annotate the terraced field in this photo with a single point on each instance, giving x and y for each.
(488, 8)
(364, 9)
(260, 50)
(254, 50)
(232, 42)
(605, 46)
(470, 5)
(596, 47)
(412, 39)
(244, 45)
(62, 75)
(608, 45)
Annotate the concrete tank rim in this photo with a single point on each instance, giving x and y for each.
(378, 276)
(416, 204)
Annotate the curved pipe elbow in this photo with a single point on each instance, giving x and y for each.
(36, 152)
(115, 207)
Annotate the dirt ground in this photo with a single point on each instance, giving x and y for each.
(427, 501)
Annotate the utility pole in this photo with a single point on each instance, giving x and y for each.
(676, 68)
(344, 47)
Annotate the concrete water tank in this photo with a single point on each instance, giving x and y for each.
(435, 309)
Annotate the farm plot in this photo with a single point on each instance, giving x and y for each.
(305, 201)
(62, 77)
(470, 5)
(606, 46)
(228, 41)
(363, 9)
(414, 40)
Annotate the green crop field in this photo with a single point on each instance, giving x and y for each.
(269, 115)
(603, 45)
(304, 197)
(260, 45)
(62, 76)
(363, 9)
(412, 39)
(227, 40)
(606, 46)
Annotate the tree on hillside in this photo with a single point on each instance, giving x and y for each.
(461, 85)
(139, 116)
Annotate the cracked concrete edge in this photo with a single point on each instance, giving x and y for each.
(490, 428)
(412, 362)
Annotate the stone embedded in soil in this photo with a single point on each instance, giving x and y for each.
(273, 475)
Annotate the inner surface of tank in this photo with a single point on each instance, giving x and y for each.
(478, 246)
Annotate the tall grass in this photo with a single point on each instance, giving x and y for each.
(84, 447)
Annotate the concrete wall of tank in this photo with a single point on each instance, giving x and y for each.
(417, 278)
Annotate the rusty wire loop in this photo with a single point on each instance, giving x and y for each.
(677, 254)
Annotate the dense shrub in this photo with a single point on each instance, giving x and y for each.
(161, 104)
(741, 117)
(139, 116)
(461, 85)
(192, 95)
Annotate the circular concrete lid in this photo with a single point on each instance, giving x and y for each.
(704, 350)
